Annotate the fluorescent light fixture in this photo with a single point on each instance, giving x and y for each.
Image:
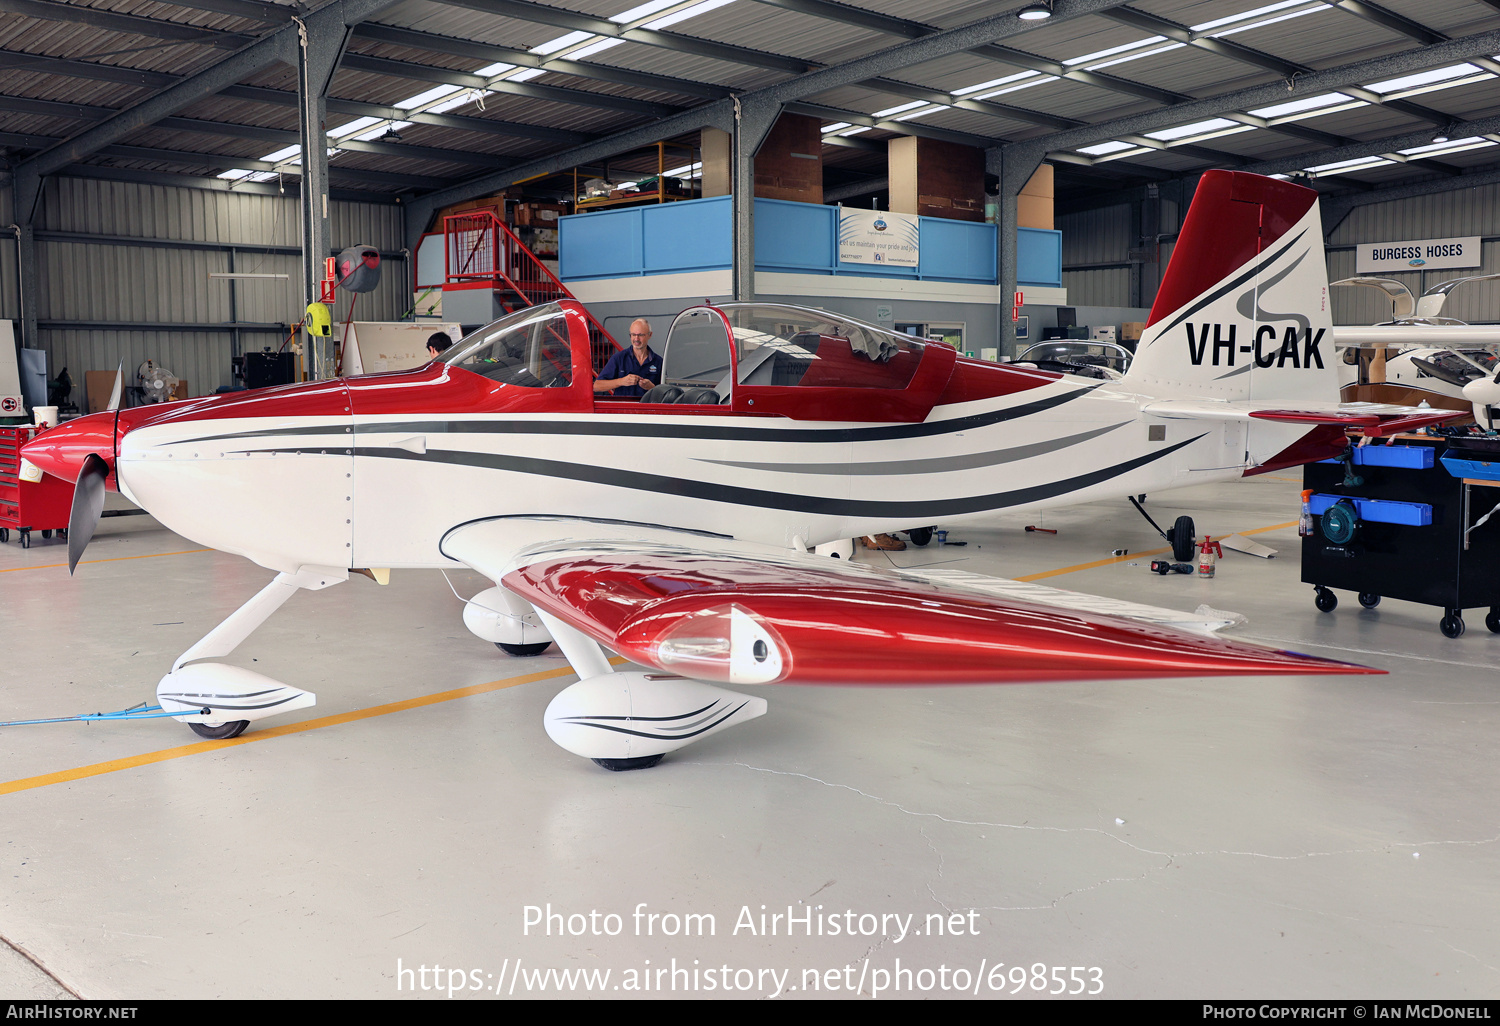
(1196, 128)
(643, 11)
(1426, 78)
(835, 126)
(686, 13)
(994, 82)
(1112, 51)
(354, 126)
(562, 42)
(593, 48)
(494, 69)
(435, 93)
(1040, 11)
(283, 153)
(1100, 149)
(1246, 15)
(913, 105)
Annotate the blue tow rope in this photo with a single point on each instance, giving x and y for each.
(135, 712)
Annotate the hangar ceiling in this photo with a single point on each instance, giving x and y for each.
(433, 101)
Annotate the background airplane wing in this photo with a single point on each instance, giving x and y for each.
(714, 609)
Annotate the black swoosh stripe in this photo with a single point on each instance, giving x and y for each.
(932, 510)
(661, 737)
(1231, 286)
(676, 429)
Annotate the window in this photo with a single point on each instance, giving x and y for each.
(529, 348)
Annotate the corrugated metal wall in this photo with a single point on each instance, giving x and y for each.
(105, 282)
(10, 308)
(1462, 212)
(1097, 237)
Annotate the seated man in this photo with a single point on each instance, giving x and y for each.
(632, 372)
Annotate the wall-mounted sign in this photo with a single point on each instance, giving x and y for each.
(1418, 254)
(877, 237)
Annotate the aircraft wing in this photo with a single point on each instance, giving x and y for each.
(715, 609)
(1417, 336)
(1377, 420)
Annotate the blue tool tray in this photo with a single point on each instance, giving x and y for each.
(1464, 464)
(1410, 457)
(1377, 511)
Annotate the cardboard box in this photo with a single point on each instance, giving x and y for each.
(1040, 183)
(1105, 333)
(98, 386)
(539, 215)
(1034, 211)
(1131, 330)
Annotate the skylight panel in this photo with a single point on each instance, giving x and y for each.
(593, 48)
(1041, 80)
(835, 126)
(1307, 103)
(234, 174)
(643, 11)
(1099, 149)
(923, 113)
(686, 13)
(1112, 51)
(527, 75)
(562, 42)
(1269, 21)
(1473, 142)
(461, 100)
(1195, 129)
(283, 153)
(494, 69)
(354, 126)
(1136, 56)
(394, 126)
(1424, 78)
(994, 82)
(913, 105)
(1357, 164)
(1247, 15)
(435, 93)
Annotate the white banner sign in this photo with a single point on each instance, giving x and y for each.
(1418, 254)
(877, 237)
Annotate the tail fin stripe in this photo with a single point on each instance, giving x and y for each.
(1228, 287)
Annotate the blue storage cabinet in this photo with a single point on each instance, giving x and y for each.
(1415, 537)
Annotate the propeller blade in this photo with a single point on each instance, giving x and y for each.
(114, 397)
(88, 504)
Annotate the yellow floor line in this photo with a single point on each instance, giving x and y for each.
(147, 758)
(112, 559)
(1137, 555)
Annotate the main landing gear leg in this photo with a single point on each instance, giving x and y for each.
(629, 720)
(1180, 537)
(218, 701)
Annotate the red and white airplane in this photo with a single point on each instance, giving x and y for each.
(679, 531)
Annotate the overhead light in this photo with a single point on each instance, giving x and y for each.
(1040, 11)
(1440, 137)
(391, 135)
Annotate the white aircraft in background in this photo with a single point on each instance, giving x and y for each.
(679, 531)
(1436, 357)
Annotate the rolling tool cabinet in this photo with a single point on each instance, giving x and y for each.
(27, 506)
(1408, 531)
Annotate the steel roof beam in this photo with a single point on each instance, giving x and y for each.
(818, 110)
(1330, 79)
(85, 70)
(280, 45)
(1378, 15)
(556, 94)
(524, 59)
(77, 14)
(251, 10)
(1374, 147)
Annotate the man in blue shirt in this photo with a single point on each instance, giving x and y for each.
(632, 372)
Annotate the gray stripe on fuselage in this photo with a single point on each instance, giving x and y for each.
(944, 465)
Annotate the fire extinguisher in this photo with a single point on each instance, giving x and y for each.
(1208, 555)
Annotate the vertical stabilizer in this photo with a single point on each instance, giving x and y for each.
(1242, 312)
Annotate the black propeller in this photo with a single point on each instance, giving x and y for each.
(88, 504)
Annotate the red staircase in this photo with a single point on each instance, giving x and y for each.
(479, 247)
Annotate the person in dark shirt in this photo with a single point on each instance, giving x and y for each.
(633, 372)
(438, 343)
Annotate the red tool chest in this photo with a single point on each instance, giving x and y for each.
(27, 506)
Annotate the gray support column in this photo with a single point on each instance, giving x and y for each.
(752, 123)
(321, 45)
(1017, 165)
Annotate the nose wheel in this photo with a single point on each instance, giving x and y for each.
(220, 732)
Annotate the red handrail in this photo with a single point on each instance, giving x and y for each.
(479, 247)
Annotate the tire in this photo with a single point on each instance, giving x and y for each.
(4, 534)
(1369, 599)
(223, 732)
(46, 533)
(25, 539)
(621, 765)
(1492, 620)
(523, 651)
(1181, 537)
(920, 536)
(1326, 601)
(1452, 625)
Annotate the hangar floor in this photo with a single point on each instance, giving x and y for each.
(1294, 837)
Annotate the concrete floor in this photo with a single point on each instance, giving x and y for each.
(1292, 837)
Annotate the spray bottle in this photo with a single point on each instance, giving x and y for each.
(1208, 555)
(1305, 525)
